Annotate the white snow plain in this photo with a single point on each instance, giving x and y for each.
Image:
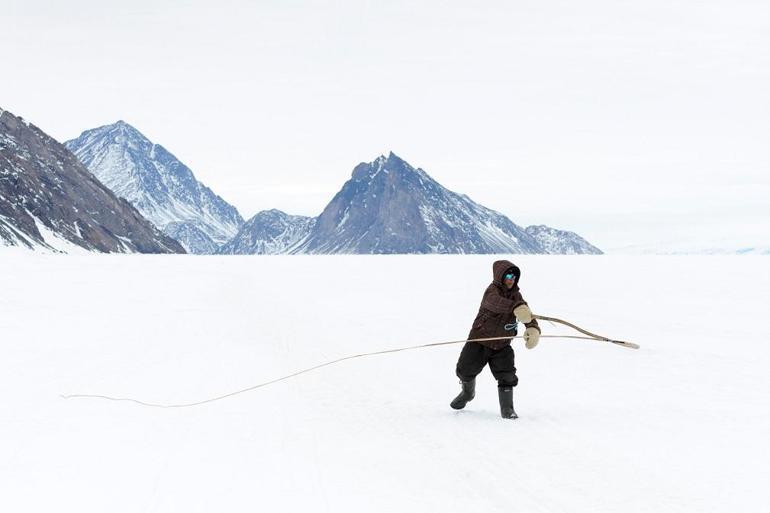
(680, 425)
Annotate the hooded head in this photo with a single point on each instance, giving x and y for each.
(500, 268)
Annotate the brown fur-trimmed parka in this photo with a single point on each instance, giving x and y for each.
(497, 306)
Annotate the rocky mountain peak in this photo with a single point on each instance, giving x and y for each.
(49, 200)
(366, 171)
(270, 232)
(159, 185)
(120, 133)
(389, 206)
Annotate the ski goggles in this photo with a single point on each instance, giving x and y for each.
(509, 276)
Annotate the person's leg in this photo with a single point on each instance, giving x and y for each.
(501, 363)
(473, 358)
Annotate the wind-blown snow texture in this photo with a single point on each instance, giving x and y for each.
(162, 188)
(678, 426)
(390, 207)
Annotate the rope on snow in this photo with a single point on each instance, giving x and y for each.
(591, 336)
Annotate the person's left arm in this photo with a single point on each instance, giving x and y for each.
(524, 314)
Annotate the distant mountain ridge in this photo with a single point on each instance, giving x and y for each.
(50, 201)
(270, 232)
(390, 207)
(561, 242)
(386, 207)
(691, 248)
(161, 187)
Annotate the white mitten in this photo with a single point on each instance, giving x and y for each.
(523, 313)
(531, 337)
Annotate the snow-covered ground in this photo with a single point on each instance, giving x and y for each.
(680, 425)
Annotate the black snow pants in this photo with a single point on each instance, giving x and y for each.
(475, 356)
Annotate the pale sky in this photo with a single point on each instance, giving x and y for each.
(631, 123)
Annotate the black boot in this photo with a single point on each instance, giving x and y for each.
(505, 394)
(466, 395)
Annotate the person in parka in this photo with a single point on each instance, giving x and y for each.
(501, 306)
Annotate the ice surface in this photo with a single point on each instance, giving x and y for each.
(680, 425)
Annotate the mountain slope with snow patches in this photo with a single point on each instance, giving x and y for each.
(389, 207)
(161, 187)
(49, 201)
(270, 232)
(561, 242)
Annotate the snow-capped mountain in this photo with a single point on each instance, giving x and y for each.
(161, 187)
(50, 201)
(389, 207)
(561, 242)
(189, 235)
(270, 232)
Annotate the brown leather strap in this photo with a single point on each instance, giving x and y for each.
(623, 343)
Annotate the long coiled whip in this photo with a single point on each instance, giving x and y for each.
(589, 336)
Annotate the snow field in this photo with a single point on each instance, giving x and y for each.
(680, 425)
